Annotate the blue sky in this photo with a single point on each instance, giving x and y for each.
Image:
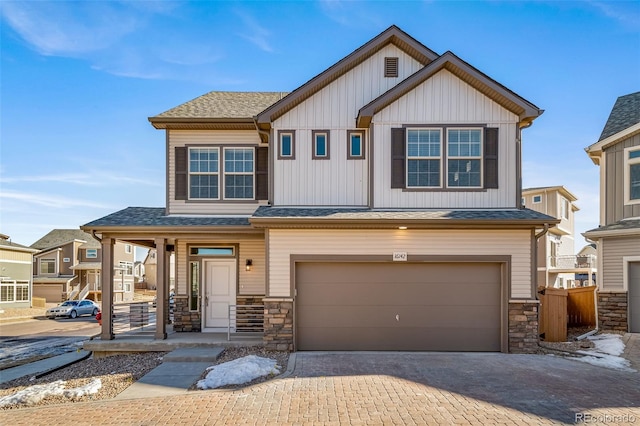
(79, 79)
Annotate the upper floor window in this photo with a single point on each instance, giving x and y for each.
(128, 249)
(320, 144)
(424, 153)
(238, 173)
(355, 144)
(537, 199)
(564, 208)
(92, 253)
(464, 158)
(47, 266)
(204, 173)
(632, 175)
(126, 267)
(286, 144)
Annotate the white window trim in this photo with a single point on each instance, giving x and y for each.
(440, 158)
(533, 199)
(190, 173)
(628, 162)
(93, 251)
(128, 248)
(55, 266)
(480, 158)
(225, 173)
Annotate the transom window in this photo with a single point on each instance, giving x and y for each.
(212, 251)
(632, 175)
(464, 158)
(205, 170)
(355, 144)
(424, 153)
(320, 144)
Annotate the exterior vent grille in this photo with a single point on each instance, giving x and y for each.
(390, 67)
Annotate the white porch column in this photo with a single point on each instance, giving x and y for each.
(162, 295)
(107, 288)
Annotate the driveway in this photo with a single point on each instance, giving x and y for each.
(388, 388)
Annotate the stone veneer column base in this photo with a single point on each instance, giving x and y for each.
(612, 311)
(278, 324)
(185, 320)
(523, 326)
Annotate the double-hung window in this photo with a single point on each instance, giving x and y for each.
(632, 175)
(464, 158)
(424, 154)
(204, 173)
(238, 173)
(47, 266)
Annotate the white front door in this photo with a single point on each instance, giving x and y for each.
(219, 293)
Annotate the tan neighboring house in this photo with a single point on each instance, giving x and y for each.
(590, 252)
(617, 152)
(150, 264)
(68, 265)
(376, 207)
(15, 274)
(557, 262)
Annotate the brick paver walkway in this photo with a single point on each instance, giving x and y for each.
(385, 389)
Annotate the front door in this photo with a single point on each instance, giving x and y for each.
(219, 293)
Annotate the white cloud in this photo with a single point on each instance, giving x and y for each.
(82, 179)
(256, 34)
(625, 13)
(45, 200)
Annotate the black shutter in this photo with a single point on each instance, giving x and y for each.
(262, 173)
(181, 192)
(491, 157)
(398, 144)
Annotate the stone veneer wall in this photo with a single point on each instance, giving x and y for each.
(612, 311)
(278, 324)
(183, 319)
(523, 327)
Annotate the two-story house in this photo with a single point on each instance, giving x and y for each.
(69, 264)
(15, 274)
(376, 207)
(617, 152)
(556, 258)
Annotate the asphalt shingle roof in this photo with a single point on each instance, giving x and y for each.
(224, 105)
(58, 237)
(156, 216)
(623, 225)
(625, 113)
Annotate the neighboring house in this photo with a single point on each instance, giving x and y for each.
(557, 261)
(15, 274)
(617, 152)
(150, 264)
(589, 252)
(379, 201)
(69, 264)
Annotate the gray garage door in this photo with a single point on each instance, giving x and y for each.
(634, 297)
(398, 306)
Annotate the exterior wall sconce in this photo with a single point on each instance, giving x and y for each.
(249, 264)
(402, 227)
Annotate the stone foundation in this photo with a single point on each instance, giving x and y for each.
(612, 311)
(278, 324)
(523, 327)
(185, 320)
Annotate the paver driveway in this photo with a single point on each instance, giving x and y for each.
(387, 388)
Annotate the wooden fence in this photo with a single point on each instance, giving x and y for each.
(560, 308)
(38, 302)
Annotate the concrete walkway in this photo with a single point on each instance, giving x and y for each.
(44, 366)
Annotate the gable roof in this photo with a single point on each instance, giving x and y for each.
(561, 189)
(59, 237)
(392, 35)
(6, 243)
(467, 73)
(217, 110)
(623, 122)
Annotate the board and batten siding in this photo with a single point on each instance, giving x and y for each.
(444, 99)
(284, 243)
(181, 138)
(613, 251)
(337, 181)
(250, 283)
(615, 208)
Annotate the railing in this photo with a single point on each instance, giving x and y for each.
(133, 318)
(572, 262)
(84, 292)
(245, 319)
(74, 292)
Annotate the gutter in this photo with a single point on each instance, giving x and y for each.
(535, 256)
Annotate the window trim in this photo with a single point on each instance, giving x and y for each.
(190, 173)
(533, 199)
(564, 208)
(441, 158)
(128, 248)
(91, 253)
(224, 173)
(361, 133)
(292, 134)
(48, 260)
(628, 162)
(479, 158)
(314, 139)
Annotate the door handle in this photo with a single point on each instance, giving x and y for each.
(206, 300)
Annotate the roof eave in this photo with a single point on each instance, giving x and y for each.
(185, 122)
(289, 222)
(595, 150)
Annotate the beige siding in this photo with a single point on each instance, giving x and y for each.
(338, 181)
(613, 251)
(615, 208)
(284, 243)
(444, 99)
(16, 256)
(206, 138)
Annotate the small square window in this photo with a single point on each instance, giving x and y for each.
(286, 145)
(355, 145)
(537, 199)
(320, 144)
(127, 248)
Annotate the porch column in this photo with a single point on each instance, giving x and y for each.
(107, 288)
(161, 289)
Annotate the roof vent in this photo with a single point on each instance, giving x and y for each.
(390, 67)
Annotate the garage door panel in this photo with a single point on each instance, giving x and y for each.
(439, 306)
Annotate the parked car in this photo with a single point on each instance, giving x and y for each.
(73, 309)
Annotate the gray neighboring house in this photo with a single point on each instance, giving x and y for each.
(16, 279)
(617, 152)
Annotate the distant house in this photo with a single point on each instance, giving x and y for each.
(150, 264)
(617, 152)
(15, 274)
(68, 265)
(589, 251)
(557, 262)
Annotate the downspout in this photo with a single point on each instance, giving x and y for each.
(535, 254)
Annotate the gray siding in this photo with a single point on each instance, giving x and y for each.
(615, 209)
(613, 251)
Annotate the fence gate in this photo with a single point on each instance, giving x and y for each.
(553, 314)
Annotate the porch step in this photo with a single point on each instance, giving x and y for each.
(193, 354)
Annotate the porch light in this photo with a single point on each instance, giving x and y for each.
(249, 264)
(402, 227)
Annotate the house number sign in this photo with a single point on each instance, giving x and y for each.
(399, 256)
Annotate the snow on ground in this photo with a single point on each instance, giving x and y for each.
(238, 371)
(607, 352)
(36, 393)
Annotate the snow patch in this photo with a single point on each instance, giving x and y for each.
(607, 352)
(238, 371)
(36, 393)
